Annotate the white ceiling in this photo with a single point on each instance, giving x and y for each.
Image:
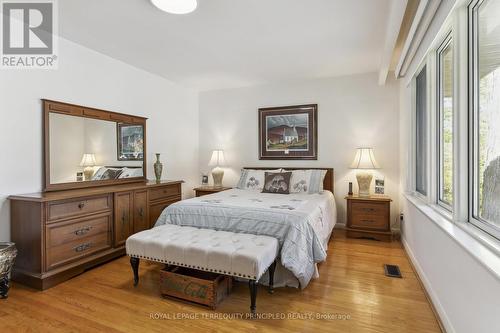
(234, 43)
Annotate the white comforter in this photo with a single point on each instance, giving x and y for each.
(301, 222)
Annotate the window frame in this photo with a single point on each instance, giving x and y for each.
(473, 85)
(446, 42)
(462, 213)
(425, 66)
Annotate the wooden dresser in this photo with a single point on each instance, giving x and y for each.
(61, 234)
(369, 217)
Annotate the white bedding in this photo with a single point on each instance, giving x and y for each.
(320, 207)
(247, 210)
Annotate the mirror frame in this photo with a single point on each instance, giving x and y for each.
(50, 106)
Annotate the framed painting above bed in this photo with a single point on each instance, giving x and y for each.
(288, 132)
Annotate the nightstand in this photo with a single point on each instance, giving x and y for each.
(204, 190)
(369, 217)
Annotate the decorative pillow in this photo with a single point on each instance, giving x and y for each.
(277, 182)
(307, 181)
(251, 179)
(107, 173)
(131, 172)
(97, 175)
(111, 174)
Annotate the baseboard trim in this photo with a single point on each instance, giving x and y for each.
(437, 308)
(339, 226)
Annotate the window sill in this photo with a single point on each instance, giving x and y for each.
(484, 249)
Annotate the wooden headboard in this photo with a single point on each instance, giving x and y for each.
(327, 182)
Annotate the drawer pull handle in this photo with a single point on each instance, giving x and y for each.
(81, 205)
(368, 209)
(83, 230)
(367, 221)
(83, 247)
(141, 212)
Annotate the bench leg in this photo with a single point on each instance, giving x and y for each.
(271, 277)
(134, 262)
(252, 284)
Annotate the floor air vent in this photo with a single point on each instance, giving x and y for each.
(392, 271)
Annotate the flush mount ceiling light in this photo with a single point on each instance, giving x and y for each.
(176, 6)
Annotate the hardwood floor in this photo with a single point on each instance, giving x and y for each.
(351, 284)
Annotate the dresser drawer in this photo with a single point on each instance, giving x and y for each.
(165, 192)
(65, 232)
(76, 207)
(76, 249)
(367, 208)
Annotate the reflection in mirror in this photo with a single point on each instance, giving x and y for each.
(85, 149)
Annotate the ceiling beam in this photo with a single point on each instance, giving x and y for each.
(423, 17)
(397, 12)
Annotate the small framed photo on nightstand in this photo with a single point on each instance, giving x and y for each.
(204, 179)
(379, 185)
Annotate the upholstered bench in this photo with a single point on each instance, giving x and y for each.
(234, 254)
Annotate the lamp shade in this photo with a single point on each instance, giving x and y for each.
(364, 159)
(217, 158)
(88, 160)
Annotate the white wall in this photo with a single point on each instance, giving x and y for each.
(89, 78)
(463, 290)
(353, 111)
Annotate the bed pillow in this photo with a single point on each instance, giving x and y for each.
(277, 182)
(131, 172)
(251, 179)
(111, 174)
(307, 181)
(107, 173)
(97, 175)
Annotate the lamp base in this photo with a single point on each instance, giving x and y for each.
(217, 174)
(88, 172)
(364, 181)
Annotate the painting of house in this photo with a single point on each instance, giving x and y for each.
(287, 132)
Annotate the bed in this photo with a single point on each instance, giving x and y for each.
(301, 222)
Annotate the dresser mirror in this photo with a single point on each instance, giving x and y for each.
(87, 147)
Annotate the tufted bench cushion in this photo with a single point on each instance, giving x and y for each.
(229, 253)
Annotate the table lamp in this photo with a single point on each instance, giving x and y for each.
(88, 162)
(217, 160)
(364, 160)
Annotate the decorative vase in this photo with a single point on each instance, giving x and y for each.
(158, 166)
(8, 253)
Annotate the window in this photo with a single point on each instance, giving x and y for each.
(445, 123)
(485, 136)
(421, 132)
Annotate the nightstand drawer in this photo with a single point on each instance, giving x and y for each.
(202, 193)
(206, 190)
(366, 208)
(373, 222)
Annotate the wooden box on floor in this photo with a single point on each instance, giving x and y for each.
(195, 286)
